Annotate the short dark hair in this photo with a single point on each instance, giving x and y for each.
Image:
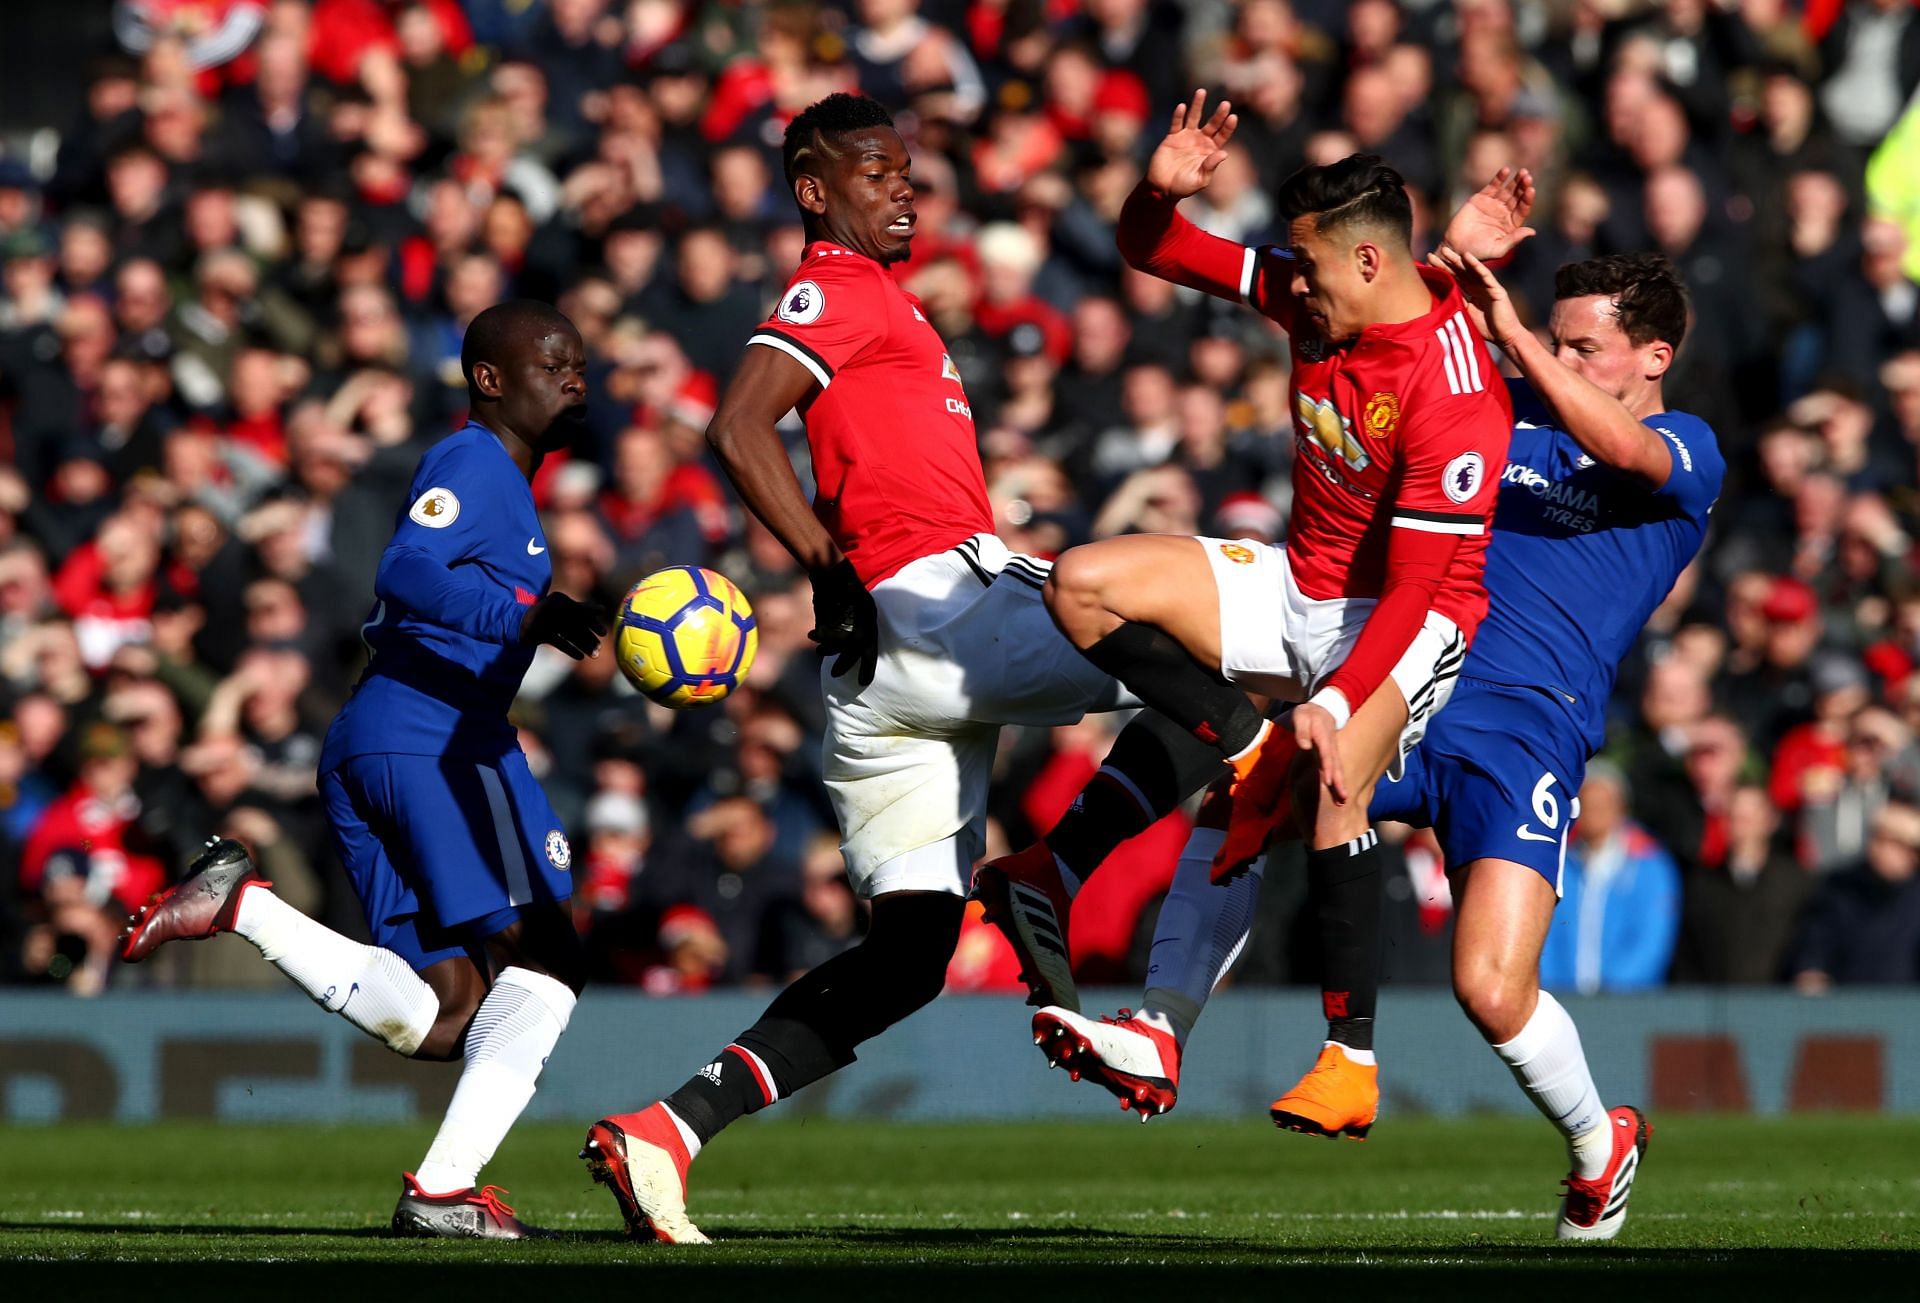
(500, 327)
(1360, 189)
(810, 136)
(1649, 298)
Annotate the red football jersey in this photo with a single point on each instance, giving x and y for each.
(895, 458)
(1405, 426)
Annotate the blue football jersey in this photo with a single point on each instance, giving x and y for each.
(1582, 554)
(466, 559)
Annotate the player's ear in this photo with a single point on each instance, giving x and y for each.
(1658, 355)
(810, 194)
(486, 379)
(1367, 257)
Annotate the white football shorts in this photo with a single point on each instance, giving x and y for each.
(1276, 640)
(966, 645)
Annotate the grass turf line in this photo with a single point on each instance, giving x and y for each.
(825, 1209)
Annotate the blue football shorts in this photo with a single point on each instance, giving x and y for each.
(445, 851)
(1497, 776)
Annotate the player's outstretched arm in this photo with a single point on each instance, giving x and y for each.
(1603, 427)
(1152, 235)
(769, 384)
(1493, 222)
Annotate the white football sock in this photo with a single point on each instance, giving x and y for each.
(371, 988)
(1550, 1066)
(512, 1034)
(1201, 931)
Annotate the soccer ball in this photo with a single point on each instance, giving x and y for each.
(686, 636)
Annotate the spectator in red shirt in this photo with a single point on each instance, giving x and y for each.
(107, 587)
(85, 861)
(344, 32)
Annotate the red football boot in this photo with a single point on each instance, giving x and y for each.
(1026, 898)
(200, 907)
(1597, 1209)
(1139, 1063)
(641, 1158)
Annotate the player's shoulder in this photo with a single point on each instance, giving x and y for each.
(469, 460)
(830, 279)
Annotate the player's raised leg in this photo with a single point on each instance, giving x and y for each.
(1145, 609)
(808, 1032)
(1502, 912)
(371, 987)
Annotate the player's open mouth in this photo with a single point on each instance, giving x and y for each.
(902, 225)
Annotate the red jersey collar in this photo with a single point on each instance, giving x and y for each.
(1447, 301)
(818, 247)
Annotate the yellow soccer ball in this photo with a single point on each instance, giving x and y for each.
(686, 636)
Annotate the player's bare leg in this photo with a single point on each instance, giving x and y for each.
(1146, 609)
(1502, 912)
(809, 1031)
(1341, 1095)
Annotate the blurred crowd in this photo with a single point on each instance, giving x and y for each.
(230, 322)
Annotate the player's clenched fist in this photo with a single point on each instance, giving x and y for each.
(558, 621)
(845, 623)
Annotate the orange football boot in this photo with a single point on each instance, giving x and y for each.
(1337, 1098)
(1261, 801)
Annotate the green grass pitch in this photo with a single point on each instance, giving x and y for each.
(1809, 1208)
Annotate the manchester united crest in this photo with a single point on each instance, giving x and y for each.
(1381, 415)
(1236, 553)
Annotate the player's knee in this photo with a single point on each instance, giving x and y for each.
(1075, 591)
(1495, 1000)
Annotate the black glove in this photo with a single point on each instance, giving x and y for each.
(557, 620)
(846, 623)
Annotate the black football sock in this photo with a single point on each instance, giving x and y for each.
(1344, 884)
(1161, 673)
(811, 1028)
(1153, 766)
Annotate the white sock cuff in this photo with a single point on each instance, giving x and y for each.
(555, 994)
(1549, 1018)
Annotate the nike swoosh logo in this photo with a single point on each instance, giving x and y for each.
(532, 550)
(1526, 834)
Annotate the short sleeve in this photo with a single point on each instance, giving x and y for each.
(829, 314)
(1694, 482)
(1452, 452)
(449, 506)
